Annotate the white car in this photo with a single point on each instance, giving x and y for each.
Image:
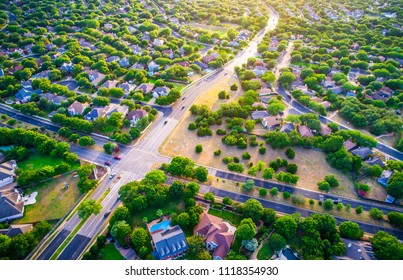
(112, 175)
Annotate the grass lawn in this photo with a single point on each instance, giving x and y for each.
(234, 219)
(265, 253)
(109, 252)
(151, 213)
(209, 28)
(52, 201)
(237, 244)
(38, 161)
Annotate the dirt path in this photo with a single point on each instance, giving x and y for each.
(254, 255)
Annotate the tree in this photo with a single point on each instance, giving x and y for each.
(376, 214)
(248, 185)
(232, 255)
(292, 168)
(277, 242)
(274, 191)
(290, 153)
(176, 190)
(155, 177)
(268, 216)
(324, 186)
(286, 226)
(275, 106)
(333, 144)
(350, 230)
(199, 148)
(120, 230)
(5, 242)
(201, 174)
(120, 214)
(395, 185)
(395, 219)
(209, 196)
(246, 230)
(358, 210)
(139, 238)
(332, 180)
(87, 208)
(268, 173)
(328, 204)
(183, 220)
(262, 192)
(386, 246)
(196, 247)
(86, 141)
(286, 79)
(109, 147)
(252, 209)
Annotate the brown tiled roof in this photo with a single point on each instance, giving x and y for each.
(304, 131)
(348, 144)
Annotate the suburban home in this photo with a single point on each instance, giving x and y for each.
(145, 88)
(374, 160)
(67, 67)
(265, 99)
(109, 84)
(77, 108)
(184, 63)
(7, 174)
(24, 94)
(161, 91)
(108, 26)
(259, 115)
(153, 67)
(169, 244)
(305, 131)
(325, 130)
(131, 29)
(168, 53)
(174, 20)
(95, 77)
(328, 83)
(202, 65)
(127, 88)
(351, 94)
(15, 230)
(135, 115)
(383, 180)
(259, 70)
(362, 152)
(55, 99)
(115, 108)
(112, 58)
(11, 205)
(264, 91)
(287, 128)
(271, 122)
(15, 69)
(145, 37)
(158, 42)
(43, 74)
(124, 62)
(336, 90)
(233, 44)
(139, 66)
(96, 112)
(217, 234)
(349, 145)
(208, 58)
(136, 49)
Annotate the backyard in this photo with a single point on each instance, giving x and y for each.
(38, 161)
(234, 219)
(109, 252)
(266, 252)
(151, 213)
(53, 201)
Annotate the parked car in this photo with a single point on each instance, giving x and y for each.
(108, 163)
(165, 122)
(117, 157)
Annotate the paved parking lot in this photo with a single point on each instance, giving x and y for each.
(357, 250)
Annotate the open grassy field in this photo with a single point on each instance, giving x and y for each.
(38, 161)
(209, 28)
(52, 201)
(234, 219)
(109, 252)
(377, 191)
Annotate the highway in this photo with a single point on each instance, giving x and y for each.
(143, 156)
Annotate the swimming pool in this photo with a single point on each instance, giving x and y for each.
(287, 252)
(161, 226)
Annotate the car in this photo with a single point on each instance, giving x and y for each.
(108, 163)
(112, 175)
(349, 245)
(183, 98)
(117, 157)
(183, 107)
(107, 213)
(335, 201)
(165, 122)
(226, 74)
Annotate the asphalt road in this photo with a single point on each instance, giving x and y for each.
(75, 247)
(366, 205)
(54, 244)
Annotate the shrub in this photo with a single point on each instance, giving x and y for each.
(274, 191)
(262, 150)
(311, 202)
(199, 148)
(235, 159)
(376, 214)
(217, 152)
(286, 195)
(227, 201)
(221, 132)
(339, 206)
(348, 206)
(328, 204)
(292, 168)
(246, 155)
(234, 86)
(332, 180)
(298, 199)
(262, 192)
(227, 160)
(358, 210)
(290, 153)
(192, 126)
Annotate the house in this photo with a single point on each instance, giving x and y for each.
(161, 91)
(124, 62)
(77, 108)
(325, 130)
(153, 67)
(127, 88)
(115, 108)
(374, 160)
(383, 180)
(109, 84)
(24, 95)
(349, 145)
(351, 94)
(112, 58)
(55, 99)
(11, 206)
(328, 83)
(108, 26)
(95, 77)
(96, 112)
(15, 230)
(168, 53)
(136, 49)
(217, 234)
(336, 90)
(202, 65)
(184, 63)
(131, 29)
(259, 114)
(169, 243)
(135, 115)
(271, 122)
(43, 74)
(145, 37)
(259, 70)
(145, 88)
(233, 44)
(67, 67)
(287, 128)
(208, 58)
(305, 131)
(264, 91)
(7, 174)
(158, 42)
(174, 20)
(362, 152)
(139, 66)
